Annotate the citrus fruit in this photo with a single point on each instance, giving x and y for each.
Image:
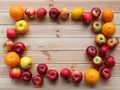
(11, 59)
(16, 12)
(108, 29)
(107, 15)
(92, 76)
(77, 13)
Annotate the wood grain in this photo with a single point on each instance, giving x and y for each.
(58, 44)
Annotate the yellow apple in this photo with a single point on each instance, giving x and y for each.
(25, 62)
(21, 26)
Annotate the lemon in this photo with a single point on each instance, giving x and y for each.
(77, 13)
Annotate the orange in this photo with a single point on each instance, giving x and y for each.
(107, 15)
(92, 76)
(108, 29)
(12, 59)
(16, 12)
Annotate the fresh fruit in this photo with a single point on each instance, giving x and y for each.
(107, 15)
(52, 75)
(19, 48)
(77, 13)
(54, 13)
(76, 76)
(103, 51)
(11, 33)
(42, 68)
(108, 29)
(100, 39)
(65, 73)
(96, 11)
(41, 13)
(30, 12)
(16, 12)
(15, 73)
(25, 62)
(26, 76)
(87, 17)
(12, 59)
(91, 51)
(64, 13)
(105, 73)
(97, 62)
(97, 26)
(8, 45)
(92, 76)
(21, 26)
(110, 61)
(37, 80)
(112, 42)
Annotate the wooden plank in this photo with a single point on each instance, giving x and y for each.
(53, 31)
(81, 67)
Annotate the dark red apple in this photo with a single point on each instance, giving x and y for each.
(65, 73)
(87, 17)
(8, 45)
(110, 61)
(37, 80)
(76, 76)
(11, 33)
(96, 11)
(105, 73)
(19, 47)
(100, 39)
(15, 73)
(103, 51)
(41, 13)
(26, 75)
(91, 51)
(30, 12)
(54, 13)
(112, 42)
(97, 62)
(52, 75)
(97, 26)
(42, 68)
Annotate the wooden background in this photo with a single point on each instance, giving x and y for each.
(59, 44)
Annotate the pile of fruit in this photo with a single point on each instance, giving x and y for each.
(20, 64)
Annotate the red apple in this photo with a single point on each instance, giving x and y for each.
(105, 73)
(112, 42)
(97, 62)
(15, 73)
(8, 45)
(30, 12)
(100, 39)
(52, 75)
(91, 51)
(96, 12)
(42, 68)
(76, 76)
(54, 13)
(37, 80)
(65, 73)
(19, 47)
(41, 13)
(103, 51)
(110, 61)
(87, 17)
(97, 26)
(11, 33)
(26, 75)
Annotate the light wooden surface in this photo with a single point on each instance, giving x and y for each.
(59, 45)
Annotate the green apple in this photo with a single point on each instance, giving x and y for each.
(25, 62)
(21, 26)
